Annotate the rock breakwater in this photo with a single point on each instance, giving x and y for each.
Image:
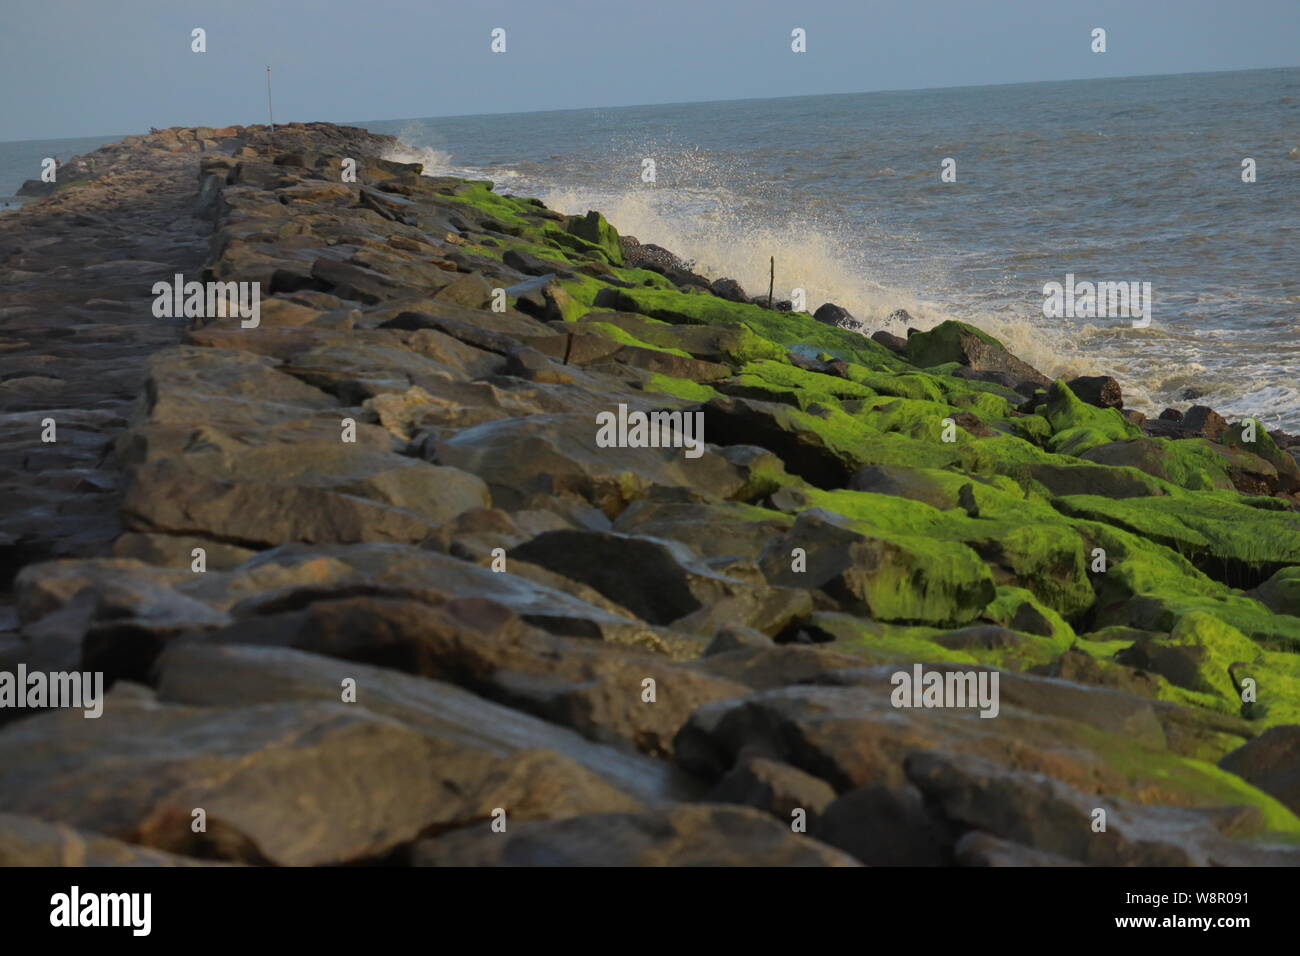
(365, 586)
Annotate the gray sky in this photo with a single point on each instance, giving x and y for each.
(91, 67)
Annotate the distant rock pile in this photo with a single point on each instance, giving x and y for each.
(365, 588)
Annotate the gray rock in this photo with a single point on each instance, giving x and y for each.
(687, 835)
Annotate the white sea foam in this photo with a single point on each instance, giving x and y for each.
(435, 161)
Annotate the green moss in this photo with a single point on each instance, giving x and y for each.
(1048, 559)
(487, 252)
(478, 193)
(1189, 463)
(879, 642)
(1078, 426)
(943, 344)
(645, 277)
(549, 253)
(1198, 782)
(1205, 647)
(627, 338)
(680, 387)
(1019, 610)
(916, 385)
(912, 417)
(788, 329)
(595, 231)
(1220, 534)
(813, 385)
(1281, 592)
(1032, 428)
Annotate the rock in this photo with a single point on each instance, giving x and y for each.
(292, 784)
(1271, 762)
(1200, 421)
(977, 848)
(892, 580)
(27, 841)
(548, 454)
(533, 365)
(1183, 465)
(1045, 815)
(887, 826)
(785, 792)
(1100, 390)
(728, 289)
(688, 835)
(595, 230)
(466, 559)
(895, 343)
(831, 314)
(647, 255)
(213, 675)
(172, 499)
(1281, 592)
(189, 385)
(1097, 480)
(594, 687)
(953, 341)
(736, 638)
(658, 581)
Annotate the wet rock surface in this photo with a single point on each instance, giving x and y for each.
(366, 583)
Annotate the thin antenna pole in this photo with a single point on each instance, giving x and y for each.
(269, 114)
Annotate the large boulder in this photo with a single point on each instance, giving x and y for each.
(953, 341)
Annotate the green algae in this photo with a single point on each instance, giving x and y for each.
(788, 329)
(627, 338)
(1217, 530)
(1078, 426)
(1020, 610)
(682, 388)
(942, 344)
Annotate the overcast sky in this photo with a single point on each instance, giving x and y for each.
(92, 67)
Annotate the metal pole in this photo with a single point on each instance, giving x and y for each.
(269, 114)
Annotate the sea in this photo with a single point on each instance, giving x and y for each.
(1136, 180)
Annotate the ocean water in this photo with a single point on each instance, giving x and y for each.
(1109, 180)
(21, 161)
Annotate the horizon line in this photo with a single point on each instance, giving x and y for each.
(742, 99)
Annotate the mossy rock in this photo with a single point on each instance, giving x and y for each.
(682, 388)
(1207, 656)
(594, 229)
(1186, 462)
(1219, 532)
(948, 342)
(1281, 592)
(778, 377)
(1263, 446)
(1018, 609)
(1047, 559)
(898, 578)
(916, 385)
(733, 345)
(1078, 426)
(619, 334)
(788, 329)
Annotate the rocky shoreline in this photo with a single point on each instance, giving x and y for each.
(365, 588)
